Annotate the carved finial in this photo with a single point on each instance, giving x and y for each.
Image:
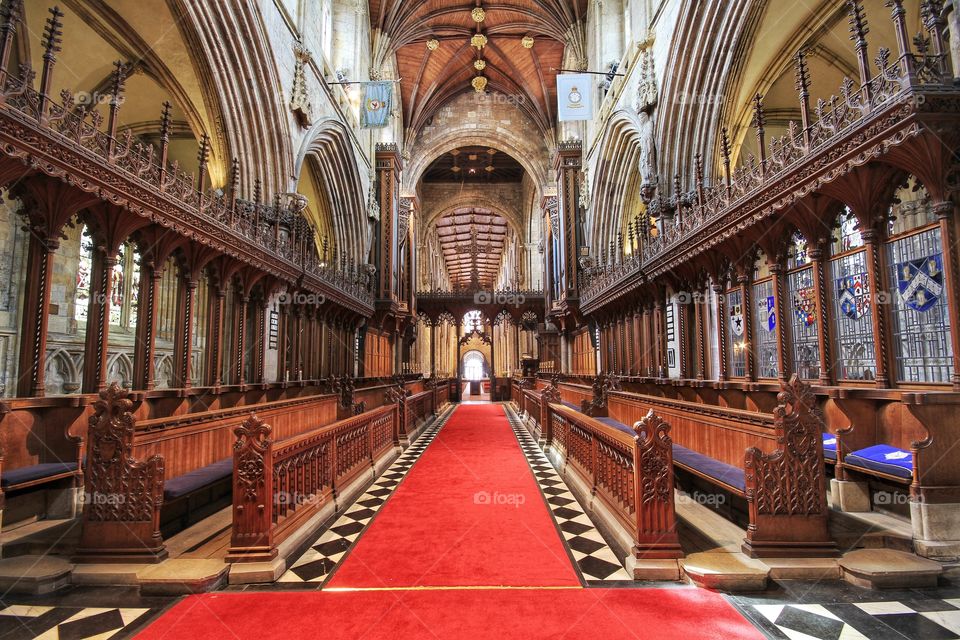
(698, 168)
(53, 34)
(234, 177)
(652, 426)
(725, 145)
(858, 23)
(165, 122)
(11, 12)
(802, 74)
(759, 120)
(257, 190)
(203, 154)
(120, 72)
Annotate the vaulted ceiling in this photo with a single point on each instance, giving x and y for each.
(472, 238)
(433, 75)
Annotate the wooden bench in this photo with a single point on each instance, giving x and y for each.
(278, 485)
(38, 451)
(629, 472)
(146, 477)
(785, 489)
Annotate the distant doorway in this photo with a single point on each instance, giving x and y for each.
(476, 382)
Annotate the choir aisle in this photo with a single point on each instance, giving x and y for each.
(465, 547)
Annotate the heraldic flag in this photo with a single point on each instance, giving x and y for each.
(575, 96)
(377, 101)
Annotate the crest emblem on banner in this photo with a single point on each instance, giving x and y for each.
(804, 306)
(575, 96)
(736, 319)
(853, 296)
(377, 101)
(768, 309)
(921, 282)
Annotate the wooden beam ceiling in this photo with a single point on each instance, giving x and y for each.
(433, 77)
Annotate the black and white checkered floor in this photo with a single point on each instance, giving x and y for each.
(837, 611)
(593, 556)
(317, 562)
(67, 623)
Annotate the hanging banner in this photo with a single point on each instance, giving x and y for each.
(575, 92)
(376, 106)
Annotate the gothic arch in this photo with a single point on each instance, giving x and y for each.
(615, 180)
(329, 144)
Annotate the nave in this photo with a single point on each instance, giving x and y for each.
(504, 534)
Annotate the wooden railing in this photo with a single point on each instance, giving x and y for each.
(127, 463)
(632, 474)
(279, 485)
(417, 409)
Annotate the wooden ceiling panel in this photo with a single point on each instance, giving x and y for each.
(472, 241)
(432, 78)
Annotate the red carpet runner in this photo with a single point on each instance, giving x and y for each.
(469, 514)
(559, 614)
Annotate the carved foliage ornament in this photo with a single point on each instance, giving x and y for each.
(790, 481)
(112, 470)
(253, 440)
(656, 459)
(299, 101)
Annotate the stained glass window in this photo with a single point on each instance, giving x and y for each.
(798, 252)
(118, 287)
(847, 236)
(803, 323)
(910, 208)
(921, 323)
(852, 309)
(765, 322)
(81, 300)
(736, 334)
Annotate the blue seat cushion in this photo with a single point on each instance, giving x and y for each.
(197, 479)
(610, 422)
(569, 405)
(884, 459)
(829, 446)
(36, 472)
(720, 471)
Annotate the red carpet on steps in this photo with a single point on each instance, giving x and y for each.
(568, 614)
(469, 513)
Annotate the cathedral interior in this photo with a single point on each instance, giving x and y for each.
(480, 318)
